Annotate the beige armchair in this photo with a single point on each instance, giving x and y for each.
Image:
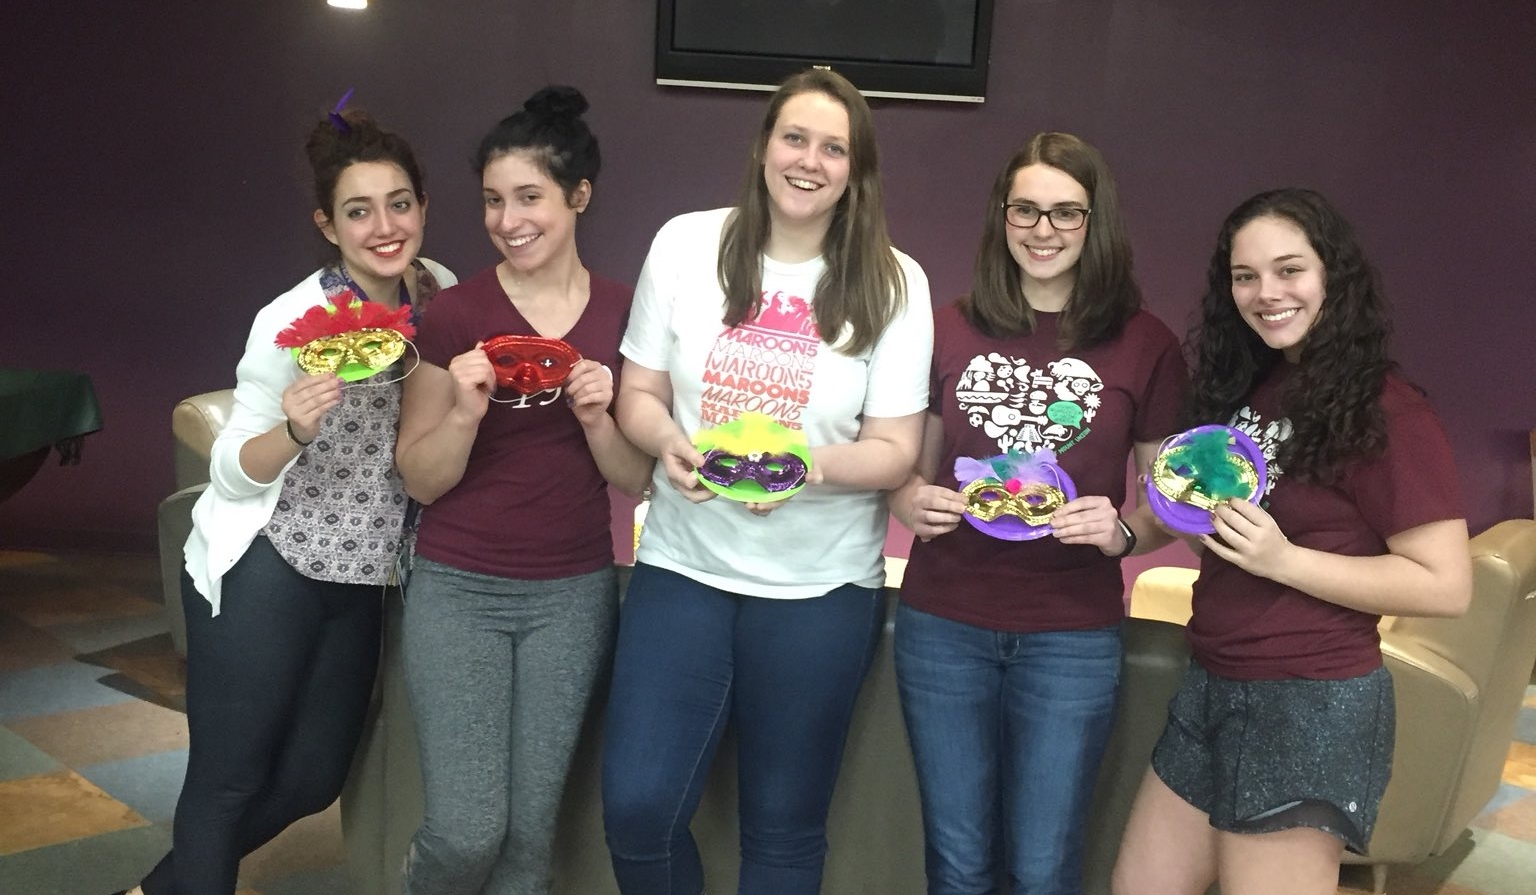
(1459, 686)
(195, 422)
(1460, 683)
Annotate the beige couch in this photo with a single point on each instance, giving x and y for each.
(875, 828)
(194, 424)
(1459, 689)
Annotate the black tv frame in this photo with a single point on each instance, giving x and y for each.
(898, 80)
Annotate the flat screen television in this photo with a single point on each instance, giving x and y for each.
(909, 49)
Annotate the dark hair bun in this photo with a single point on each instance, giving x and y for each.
(548, 127)
(556, 102)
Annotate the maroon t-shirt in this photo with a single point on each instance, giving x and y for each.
(1089, 405)
(1250, 628)
(532, 503)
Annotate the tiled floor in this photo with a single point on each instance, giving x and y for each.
(93, 746)
(93, 742)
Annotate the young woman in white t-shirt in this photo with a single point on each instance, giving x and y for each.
(762, 616)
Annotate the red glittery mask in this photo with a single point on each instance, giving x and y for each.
(530, 364)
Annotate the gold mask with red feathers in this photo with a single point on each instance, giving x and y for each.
(349, 337)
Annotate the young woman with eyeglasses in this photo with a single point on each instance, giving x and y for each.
(1008, 651)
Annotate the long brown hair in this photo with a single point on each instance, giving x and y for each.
(1105, 295)
(862, 288)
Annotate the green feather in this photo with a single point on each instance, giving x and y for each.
(1216, 472)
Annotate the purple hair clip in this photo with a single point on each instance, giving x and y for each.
(337, 121)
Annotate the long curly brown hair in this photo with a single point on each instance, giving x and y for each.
(1333, 397)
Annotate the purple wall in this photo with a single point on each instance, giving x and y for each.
(155, 191)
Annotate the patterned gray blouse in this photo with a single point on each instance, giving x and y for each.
(341, 514)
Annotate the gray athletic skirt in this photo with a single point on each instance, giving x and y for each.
(1261, 756)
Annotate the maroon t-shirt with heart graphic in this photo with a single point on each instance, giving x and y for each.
(1090, 405)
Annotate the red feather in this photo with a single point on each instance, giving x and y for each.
(376, 316)
(346, 313)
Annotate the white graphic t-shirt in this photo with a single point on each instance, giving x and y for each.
(776, 364)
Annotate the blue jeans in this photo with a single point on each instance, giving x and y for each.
(1007, 731)
(692, 658)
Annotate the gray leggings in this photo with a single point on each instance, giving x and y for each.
(499, 673)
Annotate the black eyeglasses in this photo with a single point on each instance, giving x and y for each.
(1062, 217)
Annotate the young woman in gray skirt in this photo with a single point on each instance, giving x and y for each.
(1279, 742)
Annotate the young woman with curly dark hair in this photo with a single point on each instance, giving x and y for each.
(1279, 742)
